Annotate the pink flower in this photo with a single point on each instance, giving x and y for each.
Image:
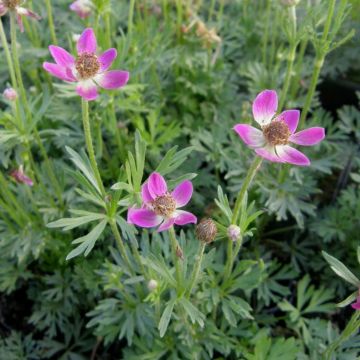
(14, 5)
(88, 70)
(160, 206)
(82, 8)
(10, 94)
(272, 141)
(20, 177)
(356, 305)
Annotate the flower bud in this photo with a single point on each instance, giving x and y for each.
(19, 176)
(152, 285)
(10, 94)
(206, 230)
(234, 232)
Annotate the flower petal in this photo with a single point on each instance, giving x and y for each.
(249, 135)
(87, 90)
(61, 56)
(3, 9)
(309, 136)
(145, 194)
(291, 118)
(290, 155)
(106, 58)
(23, 11)
(59, 71)
(20, 22)
(356, 305)
(143, 217)
(182, 193)
(81, 7)
(184, 217)
(268, 153)
(87, 42)
(265, 106)
(112, 79)
(168, 223)
(156, 185)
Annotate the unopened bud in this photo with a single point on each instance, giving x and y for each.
(206, 230)
(10, 94)
(152, 285)
(234, 232)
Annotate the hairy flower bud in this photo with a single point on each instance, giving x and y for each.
(10, 94)
(152, 285)
(234, 232)
(206, 230)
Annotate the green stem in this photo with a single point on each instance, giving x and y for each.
(196, 269)
(174, 248)
(288, 75)
(131, 17)
(319, 61)
(90, 147)
(298, 66)
(352, 326)
(8, 55)
(266, 33)
(120, 244)
(51, 22)
(245, 186)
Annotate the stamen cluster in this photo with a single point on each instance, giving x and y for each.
(87, 65)
(164, 205)
(276, 133)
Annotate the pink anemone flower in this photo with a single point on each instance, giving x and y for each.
(356, 304)
(160, 207)
(82, 8)
(88, 69)
(272, 141)
(15, 5)
(19, 176)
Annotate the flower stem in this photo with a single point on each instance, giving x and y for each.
(174, 248)
(131, 17)
(319, 61)
(7, 55)
(266, 33)
(90, 147)
(51, 22)
(196, 269)
(245, 186)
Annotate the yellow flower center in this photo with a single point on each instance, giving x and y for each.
(87, 65)
(11, 4)
(164, 205)
(276, 133)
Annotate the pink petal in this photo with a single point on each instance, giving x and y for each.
(61, 56)
(309, 136)
(81, 8)
(156, 185)
(265, 106)
(20, 22)
(143, 217)
(250, 135)
(166, 225)
(290, 155)
(87, 42)
(291, 118)
(27, 12)
(112, 79)
(145, 194)
(3, 9)
(87, 90)
(356, 305)
(268, 153)
(59, 71)
(106, 58)
(184, 217)
(182, 193)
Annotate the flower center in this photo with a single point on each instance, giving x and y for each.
(276, 133)
(87, 65)
(11, 4)
(164, 205)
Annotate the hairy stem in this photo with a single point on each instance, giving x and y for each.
(51, 22)
(196, 269)
(174, 248)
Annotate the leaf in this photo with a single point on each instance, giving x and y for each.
(71, 223)
(165, 317)
(194, 314)
(351, 298)
(87, 241)
(341, 270)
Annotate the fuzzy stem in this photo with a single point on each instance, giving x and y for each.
(90, 146)
(196, 269)
(174, 247)
(7, 55)
(51, 22)
(131, 17)
(319, 61)
(245, 186)
(266, 33)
